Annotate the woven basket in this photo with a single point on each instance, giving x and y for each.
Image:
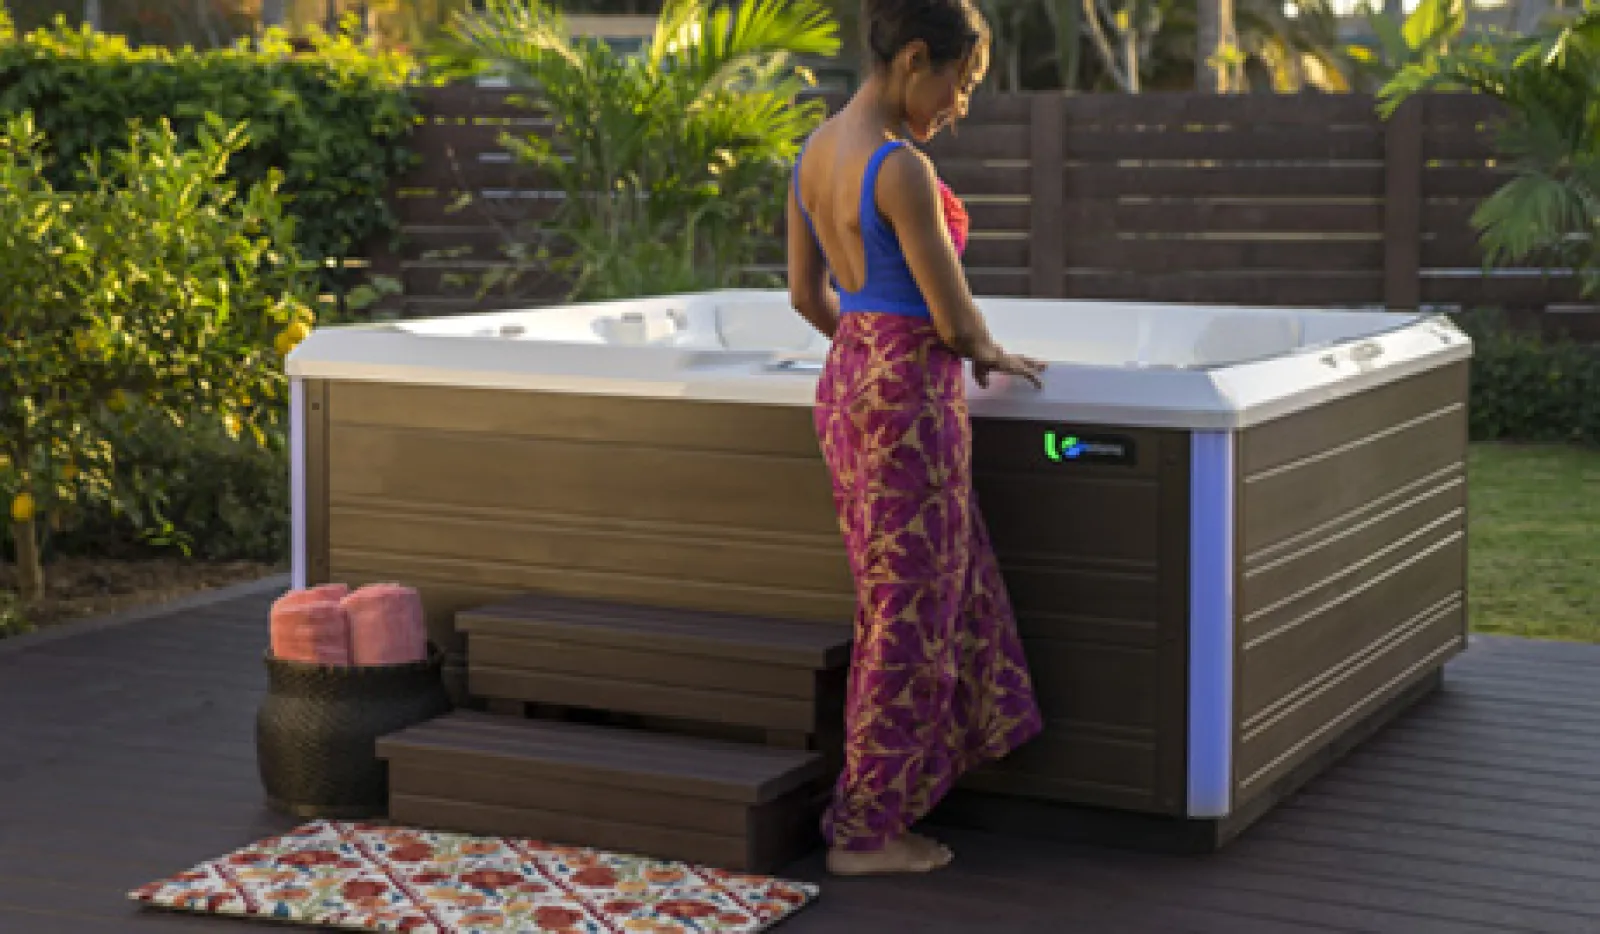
(318, 728)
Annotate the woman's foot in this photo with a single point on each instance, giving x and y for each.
(910, 853)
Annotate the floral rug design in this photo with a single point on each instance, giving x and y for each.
(366, 877)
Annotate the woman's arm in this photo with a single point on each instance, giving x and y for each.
(908, 196)
(809, 290)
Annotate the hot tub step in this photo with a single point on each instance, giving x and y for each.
(736, 807)
(779, 676)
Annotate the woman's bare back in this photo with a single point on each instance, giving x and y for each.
(832, 171)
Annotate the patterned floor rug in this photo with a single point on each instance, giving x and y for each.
(364, 877)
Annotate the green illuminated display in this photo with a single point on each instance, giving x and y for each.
(1057, 447)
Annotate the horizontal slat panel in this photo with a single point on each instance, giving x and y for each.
(989, 107)
(1174, 255)
(993, 141)
(1457, 181)
(557, 542)
(448, 211)
(1245, 143)
(1250, 110)
(472, 136)
(1095, 181)
(972, 178)
(1459, 110)
(1525, 289)
(619, 695)
(999, 282)
(1280, 442)
(1300, 289)
(466, 172)
(459, 99)
(1085, 216)
(1457, 144)
(484, 784)
(1356, 616)
(1283, 503)
(1365, 680)
(648, 666)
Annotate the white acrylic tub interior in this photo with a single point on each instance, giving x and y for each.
(1181, 366)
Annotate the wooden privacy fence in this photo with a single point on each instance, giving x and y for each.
(1303, 200)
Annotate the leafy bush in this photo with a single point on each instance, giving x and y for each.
(1527, 387)
(674, 163)
(158, 288)
(1549, 211)
(335, 120)
(192, 488)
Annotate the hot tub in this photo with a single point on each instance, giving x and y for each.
(1235, 537)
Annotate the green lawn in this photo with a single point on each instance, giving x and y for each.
(1535, 540)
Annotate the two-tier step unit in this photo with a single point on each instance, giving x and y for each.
(711, 738)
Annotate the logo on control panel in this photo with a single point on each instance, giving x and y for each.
(1061, 446)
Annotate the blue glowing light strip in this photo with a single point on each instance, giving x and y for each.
(1211, 636)
(297, 483)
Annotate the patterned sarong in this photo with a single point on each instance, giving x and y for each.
(938, 680)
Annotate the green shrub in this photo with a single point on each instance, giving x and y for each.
(194, 489)
(1527, 387)
(335, 121)
(157, 289)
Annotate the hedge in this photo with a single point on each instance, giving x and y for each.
(1528, 387)
(336, 119)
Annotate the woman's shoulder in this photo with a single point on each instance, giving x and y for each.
(908, 170)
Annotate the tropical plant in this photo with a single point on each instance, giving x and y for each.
(156, 286)
(1549, 211)
(672, 163)
(1426, 33)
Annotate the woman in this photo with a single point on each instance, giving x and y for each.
(938, 682)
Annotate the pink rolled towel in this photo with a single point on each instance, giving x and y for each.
(386, 625)
(310, 626)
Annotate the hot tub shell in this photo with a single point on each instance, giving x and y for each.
(1235, 538)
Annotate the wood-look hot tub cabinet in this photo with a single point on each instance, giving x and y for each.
(1235, 538)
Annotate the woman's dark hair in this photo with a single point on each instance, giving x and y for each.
(950, 28)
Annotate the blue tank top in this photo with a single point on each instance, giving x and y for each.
(889, 285)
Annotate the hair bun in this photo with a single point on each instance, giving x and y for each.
(950, 28)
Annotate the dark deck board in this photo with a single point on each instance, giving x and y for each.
(126, 754)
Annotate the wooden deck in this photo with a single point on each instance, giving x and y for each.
(126, 754)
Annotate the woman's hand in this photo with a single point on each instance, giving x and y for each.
(998, 361)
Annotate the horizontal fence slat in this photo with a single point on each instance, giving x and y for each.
(1501, 289)
(1174, 255)
(1457, 144)
(466, 172)
(1246, 144)
(999, 282)
(1460, 110)
(429, 139)
(458, 100)
(1097, 181)
(997, 141)
(1459, 181)
(481, 211)
(969, 178)
(1165, 108)
(1299, 289)
(1087, 216)
(995, 107)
